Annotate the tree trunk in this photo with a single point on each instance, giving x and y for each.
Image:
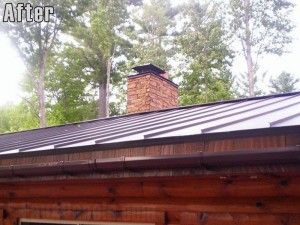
(41, 92)
(41, 80)
(248, 52)
(102, 100)
(109, 62)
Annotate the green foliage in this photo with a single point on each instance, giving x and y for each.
(36, 41)
(70, 97)
(17, 118)
(284, 83)
(201, 86)
(98, 34)
(203, 42)
(154, 32)
(33, 40)
(96, 40)
(270, 24)
(243, 86)
(152, 22)
(116, 109)
(260, 27)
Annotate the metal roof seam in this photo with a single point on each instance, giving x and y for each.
(202, 122)
(284, 119)
(157, 111)
(181, 122)
(163, 126)
(239, 120)
(63, 138)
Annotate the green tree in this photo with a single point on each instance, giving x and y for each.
(262, 27)
(203, 41)
(242, 85)
(35, 42)
(151, 34)
(71, 96)
(4, 119)
(17, 118)
(283, 83)
(99, 35)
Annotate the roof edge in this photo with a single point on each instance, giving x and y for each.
(163, 110)
(250, 157)
(273, 131)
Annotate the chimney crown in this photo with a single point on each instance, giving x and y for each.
(148, 68)
(150, 90)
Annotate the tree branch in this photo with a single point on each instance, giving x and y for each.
(35, 111)
(55, 32)
(86, 58)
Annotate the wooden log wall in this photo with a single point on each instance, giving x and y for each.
(266, 199)
(260, 195)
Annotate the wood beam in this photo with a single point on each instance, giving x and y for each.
(137, 216)
(1, 216)
(238, 218)
(160, 188)
(230, 205)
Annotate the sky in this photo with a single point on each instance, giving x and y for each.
(12, 69)
(274, 65)
(11, 72)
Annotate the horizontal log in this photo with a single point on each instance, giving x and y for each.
(238, 218)
(1, 215)
(159, 188)
(79, 215)
(186, 218)
(230, 205)
(173, 217)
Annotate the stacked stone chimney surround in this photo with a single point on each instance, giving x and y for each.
(150, 92)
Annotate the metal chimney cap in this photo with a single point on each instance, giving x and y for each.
(149, 68)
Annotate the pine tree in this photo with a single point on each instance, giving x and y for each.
(262, 27)
(204, 44)
(151, 36)
(100, 41)
(284, 83)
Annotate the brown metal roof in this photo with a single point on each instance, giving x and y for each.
(266, 113)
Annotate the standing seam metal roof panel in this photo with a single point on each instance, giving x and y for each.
(243, 114)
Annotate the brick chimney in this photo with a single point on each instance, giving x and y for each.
(150, 89)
